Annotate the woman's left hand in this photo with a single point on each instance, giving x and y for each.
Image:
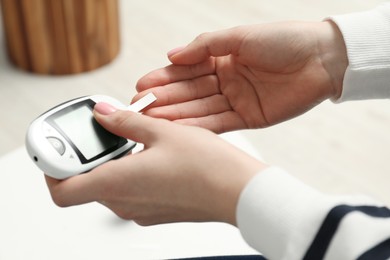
(184, 173)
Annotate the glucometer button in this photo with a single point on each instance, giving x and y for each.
(57, 144)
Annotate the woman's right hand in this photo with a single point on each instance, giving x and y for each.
(249, 76)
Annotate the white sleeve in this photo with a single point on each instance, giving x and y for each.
(283, 218)
(367, 38)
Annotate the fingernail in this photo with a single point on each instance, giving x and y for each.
(175, 51)
(104, 108)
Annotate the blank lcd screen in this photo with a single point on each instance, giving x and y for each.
(90, 138)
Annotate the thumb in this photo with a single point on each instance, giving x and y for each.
(127, 124)
(212, 44)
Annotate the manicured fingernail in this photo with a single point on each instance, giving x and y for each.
(104, 108)
(175, 51)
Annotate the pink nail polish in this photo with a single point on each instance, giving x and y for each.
(175, 51)
(104, 108)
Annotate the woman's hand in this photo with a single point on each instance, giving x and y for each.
(183, 174)
(249, 76)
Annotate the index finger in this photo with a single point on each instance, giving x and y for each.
(211, 44)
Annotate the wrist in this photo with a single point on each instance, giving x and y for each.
(230, 188)
(228, 212)
(333, 55)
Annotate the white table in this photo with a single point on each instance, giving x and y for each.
(32, 227)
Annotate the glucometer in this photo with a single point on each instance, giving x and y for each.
(67, 140)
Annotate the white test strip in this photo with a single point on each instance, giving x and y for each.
(142, 103)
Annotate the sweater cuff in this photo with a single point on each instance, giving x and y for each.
(275, 210)
(367, 38)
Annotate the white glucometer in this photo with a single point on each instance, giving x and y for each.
(67, 140)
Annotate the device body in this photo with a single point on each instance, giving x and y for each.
(67, 140)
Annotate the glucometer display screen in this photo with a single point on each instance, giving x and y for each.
(87, 137)
(85, 133)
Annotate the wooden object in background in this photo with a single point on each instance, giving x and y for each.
(61, 36)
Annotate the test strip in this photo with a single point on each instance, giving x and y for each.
(142, 103)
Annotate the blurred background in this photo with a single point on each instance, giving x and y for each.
(334, 147)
